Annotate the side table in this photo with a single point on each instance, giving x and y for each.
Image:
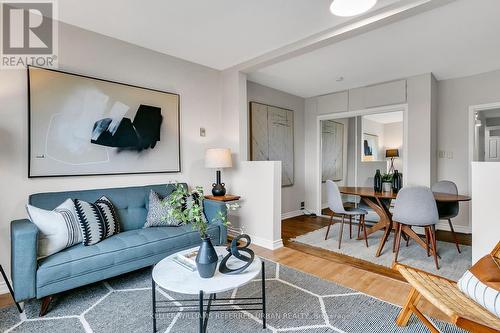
(225, 198)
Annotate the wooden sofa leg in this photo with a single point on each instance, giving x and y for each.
(405, 314)
(44, 308)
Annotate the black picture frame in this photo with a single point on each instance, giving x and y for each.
(30, 175)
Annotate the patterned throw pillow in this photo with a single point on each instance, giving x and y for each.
(98, 220)
(158, 212)
(59, 228)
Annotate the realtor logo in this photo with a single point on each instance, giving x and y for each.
(29, 34)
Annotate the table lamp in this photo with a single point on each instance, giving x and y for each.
(392, 154)
(218, 158)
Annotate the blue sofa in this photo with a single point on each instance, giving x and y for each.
(131, 249)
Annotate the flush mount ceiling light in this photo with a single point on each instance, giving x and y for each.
(347, 8)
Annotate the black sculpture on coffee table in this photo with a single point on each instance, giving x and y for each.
(234, 250)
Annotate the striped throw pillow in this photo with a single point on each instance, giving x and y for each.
(58, 228)
(482, 284)
(98, 220)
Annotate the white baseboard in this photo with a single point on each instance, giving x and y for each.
(265, 243)
(444, 226)
(291, 214)
(464, 229)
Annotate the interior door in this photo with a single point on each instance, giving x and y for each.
(493, 149)
(492, 144)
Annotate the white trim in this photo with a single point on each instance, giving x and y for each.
(463, 229)
(351, 114)
(291, 214)
(265, 243)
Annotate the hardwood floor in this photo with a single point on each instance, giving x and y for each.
(5, 300)
(375, 280)
(379, 286)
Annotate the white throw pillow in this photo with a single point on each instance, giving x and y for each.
(58, 228)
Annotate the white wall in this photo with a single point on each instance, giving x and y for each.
(393, 139)
(291, 196)
(421, 137)
(259, 184)
(96, 55)
(485, 219)
(455, 97)
(234, 116)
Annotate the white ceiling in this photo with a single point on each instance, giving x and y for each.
(386, 118)
(458, 39)
(215, 33)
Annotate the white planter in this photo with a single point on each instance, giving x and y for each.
(386, 187)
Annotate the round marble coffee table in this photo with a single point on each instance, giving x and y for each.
(171, 276)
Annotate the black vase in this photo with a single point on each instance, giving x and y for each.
(397, 181)
(206, 259)
(377, 181)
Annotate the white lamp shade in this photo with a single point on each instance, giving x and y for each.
(346, 8)
(218, 158)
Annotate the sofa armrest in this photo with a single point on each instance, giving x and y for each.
(23, 236)
(212, 209)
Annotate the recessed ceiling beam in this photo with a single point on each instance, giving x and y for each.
(362, 24)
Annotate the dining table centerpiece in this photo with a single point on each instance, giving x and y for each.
(386, 182)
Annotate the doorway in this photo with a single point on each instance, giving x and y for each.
(353, 145)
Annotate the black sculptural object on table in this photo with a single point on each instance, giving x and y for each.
(142, 133)
(234, 250)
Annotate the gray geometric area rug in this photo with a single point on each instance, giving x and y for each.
(296, 302)
(452, 264)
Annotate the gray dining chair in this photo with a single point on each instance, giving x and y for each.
(416, 206)
(447, 210)
(336, 205)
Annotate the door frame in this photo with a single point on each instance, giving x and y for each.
(350, 114)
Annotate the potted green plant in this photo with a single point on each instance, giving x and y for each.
(386, 182)
(187, 206)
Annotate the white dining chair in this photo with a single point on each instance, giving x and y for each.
(336, 205)
(448, 210)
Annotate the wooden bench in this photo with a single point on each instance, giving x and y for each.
(445, 295)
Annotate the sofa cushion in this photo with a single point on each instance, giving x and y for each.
(120, 249)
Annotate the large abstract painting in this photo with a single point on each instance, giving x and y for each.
(332, 150)
(80, 125)
(272, 137)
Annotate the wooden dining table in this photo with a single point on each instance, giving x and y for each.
(380, 202)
